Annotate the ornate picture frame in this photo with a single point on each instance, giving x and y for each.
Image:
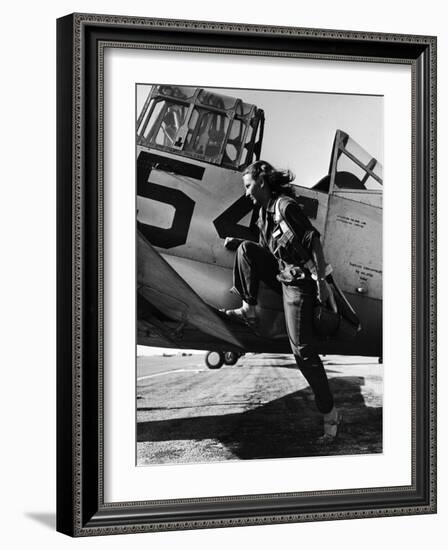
(81, 506)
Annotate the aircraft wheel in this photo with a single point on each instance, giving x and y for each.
(214, 359)
(380, 360)
(231, 358)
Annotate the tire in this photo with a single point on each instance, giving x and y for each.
(214, 359)
(231, 358)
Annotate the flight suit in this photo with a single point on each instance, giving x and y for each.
(280, 259)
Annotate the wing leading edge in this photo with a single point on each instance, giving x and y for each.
(168, 307)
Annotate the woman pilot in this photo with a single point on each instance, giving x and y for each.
(290, 260)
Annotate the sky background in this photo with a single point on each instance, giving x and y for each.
(299, 131)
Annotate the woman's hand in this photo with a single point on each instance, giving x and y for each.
(323, 291)
(232, 243)
(325, 295)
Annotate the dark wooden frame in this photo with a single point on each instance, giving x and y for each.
(81, 510)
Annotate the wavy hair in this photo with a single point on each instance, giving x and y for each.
(278, 181)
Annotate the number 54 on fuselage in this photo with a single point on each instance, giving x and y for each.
(192, 145)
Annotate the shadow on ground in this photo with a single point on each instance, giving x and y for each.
(285, 427)
(48, 519)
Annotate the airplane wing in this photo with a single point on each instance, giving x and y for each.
(169, 312)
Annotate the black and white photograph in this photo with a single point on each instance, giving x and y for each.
(259, 274)
(223, 234)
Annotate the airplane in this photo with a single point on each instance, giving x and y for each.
(192, 146)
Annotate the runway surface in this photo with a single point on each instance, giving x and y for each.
(262, 407)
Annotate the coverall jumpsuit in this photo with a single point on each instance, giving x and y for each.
(272, 260)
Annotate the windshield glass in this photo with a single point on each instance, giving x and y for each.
(201, 124)
(355, 160)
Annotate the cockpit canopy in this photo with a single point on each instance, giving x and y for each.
(197, 123)
(351, 168)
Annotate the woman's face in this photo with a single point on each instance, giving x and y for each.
(255, 190)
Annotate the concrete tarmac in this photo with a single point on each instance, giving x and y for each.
(262, 407)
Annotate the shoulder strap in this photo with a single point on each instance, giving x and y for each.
(288, 235)
(278, 218)
(287, 232)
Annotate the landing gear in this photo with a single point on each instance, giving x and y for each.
(214, 359)
(380, 360)
(231, 357)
